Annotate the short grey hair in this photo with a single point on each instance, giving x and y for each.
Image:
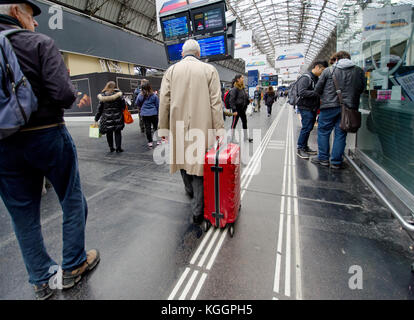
(191, 47)
(6, 8)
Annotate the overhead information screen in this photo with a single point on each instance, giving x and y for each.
(212, 46)
(175, 27)
(174, 52)
(209, 19)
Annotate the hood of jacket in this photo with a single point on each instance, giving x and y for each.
(109, 98)
(344, 64)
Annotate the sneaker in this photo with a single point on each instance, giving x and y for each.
(302, 154)
(250, 140)
(324, 163)
(70, 278)
(150, 144)
(111, 150)
(43, 292)
(119, 150)
(310, 152)
(159, 142)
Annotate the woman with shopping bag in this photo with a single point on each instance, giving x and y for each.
(111, 115)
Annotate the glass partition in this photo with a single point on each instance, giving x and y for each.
(379, 36)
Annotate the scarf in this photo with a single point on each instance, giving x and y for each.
(5, 19)
(238, 86)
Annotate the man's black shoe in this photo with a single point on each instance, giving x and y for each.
(302, 154)
(198, 220)
(324, 163)
(310, 152)
(338, 166)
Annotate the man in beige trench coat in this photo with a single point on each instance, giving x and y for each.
(191, 115)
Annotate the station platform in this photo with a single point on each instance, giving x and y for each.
(304, 232)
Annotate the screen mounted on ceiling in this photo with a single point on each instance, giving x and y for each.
(176, 26)
(209, 18)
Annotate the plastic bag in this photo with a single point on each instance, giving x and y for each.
(94, 132)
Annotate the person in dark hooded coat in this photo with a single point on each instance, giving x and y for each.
(111, 116)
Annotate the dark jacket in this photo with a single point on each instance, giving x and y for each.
(149, 106)
(270, 98)
(110, 111)
(42, 64)
(308, 98)
(351, 81)
(239, 100)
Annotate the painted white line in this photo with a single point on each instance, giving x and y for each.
(201, 246)
(179, 283)
(297, 238)
(274, 298)
(216, 250)
(289, 213)
(280, 237)
(199, 286)
(276, 285)
(188, 286)
(210, 245)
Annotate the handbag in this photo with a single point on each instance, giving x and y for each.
(350, 118)
(127, 116)
(94, 132)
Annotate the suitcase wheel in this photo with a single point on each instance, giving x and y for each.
(412, 268)
(206, 225)
(231, 230)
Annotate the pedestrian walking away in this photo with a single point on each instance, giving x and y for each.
(239, 100)
(110, 115)
(149, 103)
(308, 104)
(190, 99)
(352, 82)
(270, 98)
(43, 148)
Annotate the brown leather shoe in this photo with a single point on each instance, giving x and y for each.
(70, 278)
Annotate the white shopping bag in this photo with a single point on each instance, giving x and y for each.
(249, 110)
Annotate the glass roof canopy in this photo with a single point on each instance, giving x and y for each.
(286, 22)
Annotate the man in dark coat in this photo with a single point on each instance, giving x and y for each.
(43, 148)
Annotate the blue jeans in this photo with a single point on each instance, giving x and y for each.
(330, 119)
(308, 122)
(26, 158)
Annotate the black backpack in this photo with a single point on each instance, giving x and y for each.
(293, 97)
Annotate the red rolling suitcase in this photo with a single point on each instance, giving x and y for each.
(222, 196)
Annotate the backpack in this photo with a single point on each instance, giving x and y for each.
(293, 97)
(17, 100)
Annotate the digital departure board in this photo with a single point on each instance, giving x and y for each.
(212, 46)
(175, 27)
(174, 52)
(208, 19)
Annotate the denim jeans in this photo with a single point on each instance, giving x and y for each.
(308, 122)
(330, 119)
(26, 158)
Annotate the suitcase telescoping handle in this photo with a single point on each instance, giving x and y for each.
(217, 170)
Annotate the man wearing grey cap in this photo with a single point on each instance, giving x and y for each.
(43, 148)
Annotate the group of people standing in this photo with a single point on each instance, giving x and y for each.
(111, 113)
(317, 92)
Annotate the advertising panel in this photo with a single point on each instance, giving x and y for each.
(394, 21)
(290, 56)
(243, 48)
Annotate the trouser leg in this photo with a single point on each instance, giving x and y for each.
(339, 143)
(110, 139)
(118, 139)
(148, 130)
(65, 179)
